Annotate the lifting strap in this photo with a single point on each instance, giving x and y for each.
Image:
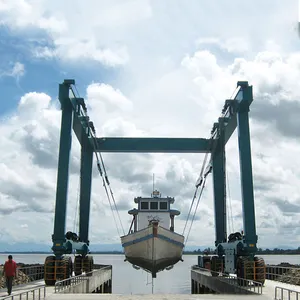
(101, 169)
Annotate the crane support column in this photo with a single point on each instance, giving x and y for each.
(85, 191)
(250, 236)
(219, 183)
(58, 237)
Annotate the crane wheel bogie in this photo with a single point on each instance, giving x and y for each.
(57, 269)
(251, 269)
(88, 265)
(260, 270)
(78, 265)
(217, 265)
(49, 270)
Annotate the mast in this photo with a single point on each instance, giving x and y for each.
(153, 183)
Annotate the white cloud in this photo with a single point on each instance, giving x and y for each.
(33, 134)
(238, 45)
(111, 98)
(33, 103)
(79, 34)
(73, 50)
(169, 87)
(16, 71)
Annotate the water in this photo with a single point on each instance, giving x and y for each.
(127, 280)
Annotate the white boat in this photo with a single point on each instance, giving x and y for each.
(151, 243)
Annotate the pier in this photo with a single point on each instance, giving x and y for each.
(95, 282)
(98, 284)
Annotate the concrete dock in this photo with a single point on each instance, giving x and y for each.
(268, 292)
(38, 287)
(97, 281)
(151, 297)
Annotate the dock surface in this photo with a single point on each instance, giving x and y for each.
(22, 288)
(267, 294)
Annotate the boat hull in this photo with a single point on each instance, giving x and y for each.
(153, 248)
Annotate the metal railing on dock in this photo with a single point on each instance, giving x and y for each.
(285, 294)
(63, 285)
(35, 272)
(37, 293)
(242, 283)
(250, 285)
(66, 283)
(283, 274)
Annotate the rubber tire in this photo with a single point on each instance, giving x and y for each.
(49, 270)
(214, 266)
(88, 264)
(245, 269)
(240, 270)
(78, 265)
(260, 270)
(64, 268)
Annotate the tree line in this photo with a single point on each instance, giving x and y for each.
(198, 251)
(259, 251)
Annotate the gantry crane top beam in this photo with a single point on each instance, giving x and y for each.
(241, 99)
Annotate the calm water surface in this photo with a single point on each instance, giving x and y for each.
(127, 280)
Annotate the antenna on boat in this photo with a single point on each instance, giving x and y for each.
(153, 183)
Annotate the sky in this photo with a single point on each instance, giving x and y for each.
(148, 69)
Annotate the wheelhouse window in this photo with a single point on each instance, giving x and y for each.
(144, 205)
(154, 205)
(163, 205)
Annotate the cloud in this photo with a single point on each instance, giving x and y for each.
(70, 41)
(107, 95)
(85, 50)
(232, 45)
(16, 71)
(33, 133)
(175, 68)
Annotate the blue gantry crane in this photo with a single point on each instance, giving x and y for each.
(235, 254)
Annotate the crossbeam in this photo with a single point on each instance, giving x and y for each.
(154, 145)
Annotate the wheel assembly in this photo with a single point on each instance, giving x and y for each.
(78, 265)
(57, 269)
(88, 265)
(250, 269)
(260, 270)
(216, 265)
(49, 270)
(64, 268)
(245, 270)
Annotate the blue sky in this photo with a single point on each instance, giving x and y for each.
(147, 68)
(41, 75)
